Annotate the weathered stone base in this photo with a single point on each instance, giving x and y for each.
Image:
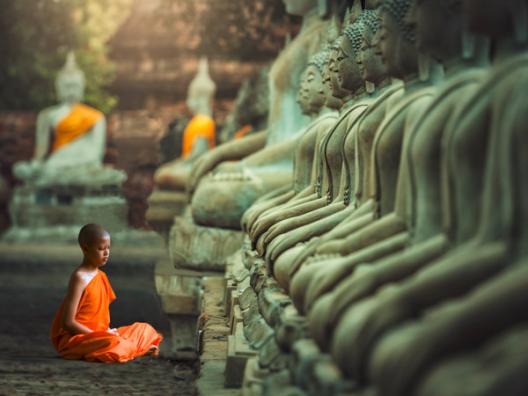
(164, 205)
(201, 248)
(180, 292)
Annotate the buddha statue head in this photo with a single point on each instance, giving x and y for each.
(374, 69)
(313, 89)
(397, 39)
(300, 7)
(438, 26)
(348, 65)
(201, 90)
(70, 82)
(494, 18)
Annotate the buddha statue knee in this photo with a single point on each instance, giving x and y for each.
(400, 358)
(272, 167)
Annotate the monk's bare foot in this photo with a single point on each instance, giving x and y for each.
(153, 351)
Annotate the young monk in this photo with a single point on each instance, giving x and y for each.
(81, 329)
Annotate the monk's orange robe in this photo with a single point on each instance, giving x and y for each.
(133, 341)
(79, 121)
(200, 126)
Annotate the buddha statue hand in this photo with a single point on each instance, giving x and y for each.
(28, 171)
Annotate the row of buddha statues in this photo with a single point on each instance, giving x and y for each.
(383, 210)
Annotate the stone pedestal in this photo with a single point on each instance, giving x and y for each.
(180, 292)
(164, 205)
(201, 248)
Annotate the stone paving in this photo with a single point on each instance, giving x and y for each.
(30, 366)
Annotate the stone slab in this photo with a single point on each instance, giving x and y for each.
(201, 248)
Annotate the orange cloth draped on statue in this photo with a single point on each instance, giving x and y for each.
(200, 126)
(80, 120)
(243, 131)
(133, 341)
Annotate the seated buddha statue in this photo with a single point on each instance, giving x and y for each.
(331, 195)
(220, 199)
(316, 100)
(70, 138)
(462, 73)
(386, 223)
(477, 215)
(358, 143)
(486, 272)
(198, 135)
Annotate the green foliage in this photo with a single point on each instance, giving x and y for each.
(35, 36)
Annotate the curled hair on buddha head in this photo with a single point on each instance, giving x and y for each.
(399, 9)
(354, 32)
(91, 233)
(319, 60)
(372, 21)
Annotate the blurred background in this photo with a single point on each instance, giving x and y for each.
(139, 57)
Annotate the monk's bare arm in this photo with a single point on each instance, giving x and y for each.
(75, 290)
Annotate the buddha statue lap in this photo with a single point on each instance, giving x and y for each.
(65, 184)
(237, 186)
(483, 239)
(371, 240)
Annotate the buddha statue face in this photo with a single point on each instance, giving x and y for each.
(331, 100)
(299, 7)
(69, 84)
(349, 67)
(316, 91)
(438, 24)
(303, 95)
(333, 77)
(397, 43)
(374, 69)
(493, 17)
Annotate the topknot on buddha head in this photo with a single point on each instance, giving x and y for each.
(70, 81)
(399, 9)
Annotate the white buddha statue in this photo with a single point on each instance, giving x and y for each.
(70, 138)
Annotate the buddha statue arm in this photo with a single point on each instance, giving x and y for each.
(234, 150)
(42, 136)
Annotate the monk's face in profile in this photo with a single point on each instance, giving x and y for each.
(98, 251)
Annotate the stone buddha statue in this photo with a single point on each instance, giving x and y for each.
(357, 146)
(385, 233)
(235, 186)
(70, 137)
(482, 240)
(315, 98)
(65, 184)
(463, 72)
(199, 134)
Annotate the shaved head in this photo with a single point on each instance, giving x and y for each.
(91, 233)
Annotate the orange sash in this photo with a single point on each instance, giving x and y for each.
(79, 121)
(93, 312)
(200, 126)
